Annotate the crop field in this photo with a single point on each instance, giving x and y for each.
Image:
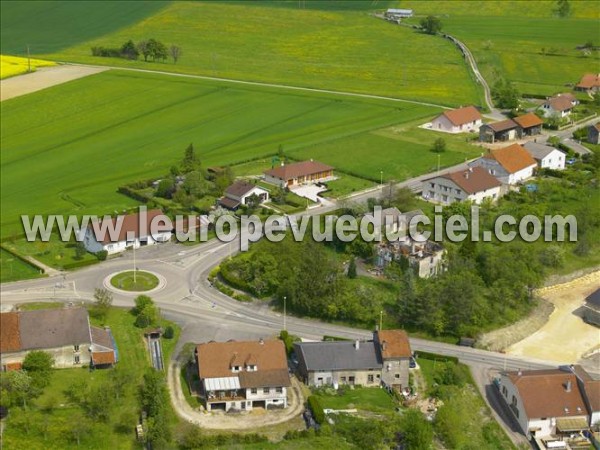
(524, 42)
(340, 47)
(11, 66)
(65, 150)
(400, 152)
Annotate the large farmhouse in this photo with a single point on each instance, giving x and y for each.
(115, 235)
(475, 184)
(458, 120)
(383, 361)
(288, 175)
(241, 193)
(590, 82)
(66, 334)
(242, 375)
(510, 165)
(558, 403)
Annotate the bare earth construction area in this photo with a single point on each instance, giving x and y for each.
(565, 337)
(43, 78)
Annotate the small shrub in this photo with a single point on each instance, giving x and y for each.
(102, 255)
(169, 332)
(317, 410)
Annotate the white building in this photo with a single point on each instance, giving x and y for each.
(560, 105)
(243, 375)
(115, 235)
(295, 174)
(474, 184)
(546, 157)
(240, 192)
(510, 165)
(545, 402)
(461, 120)
(395, 13)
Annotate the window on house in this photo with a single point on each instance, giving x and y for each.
(77, 360)
(432, 185)
(253, 391)
(279, 390)
(370, 378)
(343, 379)
(76, 347)
(445, 198)
(265, 390)
(397, 376)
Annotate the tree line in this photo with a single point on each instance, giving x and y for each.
(150, 49)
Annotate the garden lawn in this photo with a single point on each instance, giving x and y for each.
(342, 48)
(524, 42)
(369, 399)
(66, 149)
(26, 429)
(13, 268)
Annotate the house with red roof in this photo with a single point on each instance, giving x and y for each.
(560, 105)
(510, 165)
(590, 82)
(474, 184)
(460, 120)
(305, 172)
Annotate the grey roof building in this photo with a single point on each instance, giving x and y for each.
(338, 355)
(51, 328)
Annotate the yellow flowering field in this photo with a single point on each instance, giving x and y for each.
(15, 65)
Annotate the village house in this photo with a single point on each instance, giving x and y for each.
(132, 230)
(241, 193)
(305, 172)
(560, 105)
(383, 361)
(594, 134)
(66, 334)
(590, 83)
(474, 184)
(461, 120)
(510, 165)
(590, 388)
(546, 157)
(242, 375)
(425, 258)
(390, 222)
(397, 14)
(551, 405)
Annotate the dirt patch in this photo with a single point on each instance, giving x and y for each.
(498, 340)
(565, 337)
(43, 78)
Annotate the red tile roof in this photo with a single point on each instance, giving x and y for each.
(473, 180)
(101, 358)
(513, 158)
(528, 120)
(10, 337)
(295, 170)
(544, 393)
(463, 115)
(561, 102)
(589, 80)
(215, 359)
(394, 344)
(503, 125)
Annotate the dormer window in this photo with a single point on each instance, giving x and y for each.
(251, 368)
(235, 369)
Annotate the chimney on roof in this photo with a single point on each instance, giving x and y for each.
(568, 386)
(261, 341)
(520, 372)
(357, 344)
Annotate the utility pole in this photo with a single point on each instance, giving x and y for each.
(380, 320)
(134, 268)
(284, 313)
(381, 178)
(28, 60)
(438, 165)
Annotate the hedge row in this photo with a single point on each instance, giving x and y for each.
(436, 357)
(234, 281)
(78, 264)
(19, 257)
(317, 410)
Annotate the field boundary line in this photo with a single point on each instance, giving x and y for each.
(262, 84)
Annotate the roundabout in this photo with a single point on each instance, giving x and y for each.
(130, 282)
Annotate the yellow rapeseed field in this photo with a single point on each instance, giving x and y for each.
(14, 65)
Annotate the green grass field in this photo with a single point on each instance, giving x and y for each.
(507, 39)
(362, 398)
(330, 46)
(13, 268)
(144, 281)
(67, 149)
